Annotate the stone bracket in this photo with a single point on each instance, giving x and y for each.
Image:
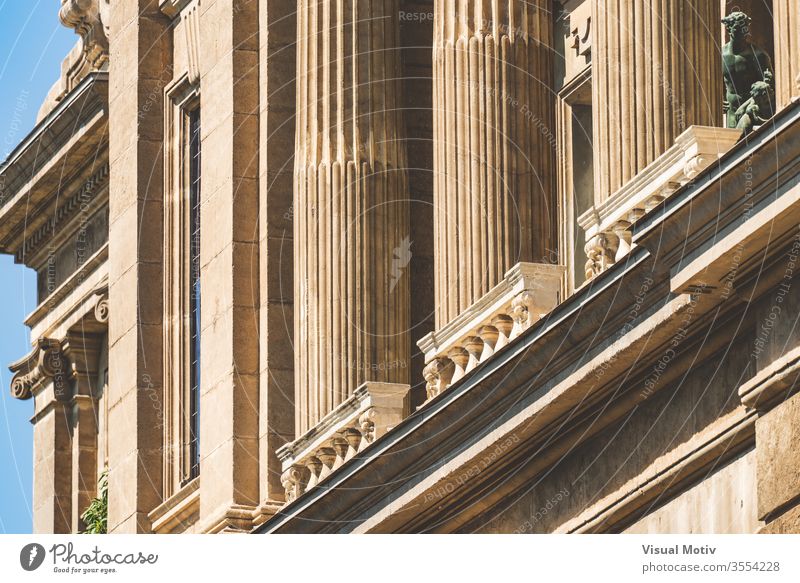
(44, 363)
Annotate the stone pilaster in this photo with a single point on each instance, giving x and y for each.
(43, 375)
(52, 467)
(787, 50)
(351, 205)
(82, 351)
(778, 465)
(229, 264)
(493, 151)
(138, 72)
(277, 101)
(656, 71)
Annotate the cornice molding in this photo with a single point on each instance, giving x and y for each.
(75, 203)
(773, 384)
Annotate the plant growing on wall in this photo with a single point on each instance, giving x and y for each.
(96, 515)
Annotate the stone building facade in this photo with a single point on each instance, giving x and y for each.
(414, 266)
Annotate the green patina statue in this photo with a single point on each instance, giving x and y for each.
(747, 71)
(757, 109)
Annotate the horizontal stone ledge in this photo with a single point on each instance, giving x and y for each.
(773, 383)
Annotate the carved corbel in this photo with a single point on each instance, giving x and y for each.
(581, 36)
(45, 362)
(294, 482)
(367, 423)
(85, 17)
(438, 375)
(523, 312)
(601, 251)
(101, 307)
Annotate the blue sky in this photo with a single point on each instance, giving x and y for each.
(32, 46)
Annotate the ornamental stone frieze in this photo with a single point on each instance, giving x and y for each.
(86, 18)
(46, 362)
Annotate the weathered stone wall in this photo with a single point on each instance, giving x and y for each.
(673, 422)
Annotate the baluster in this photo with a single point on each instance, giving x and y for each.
(474, 346)
(460, 358)
(326, 455)
(504, 324)
(314, 466)
(438, 375)
(367, 423)
(489, 335)
(353, 438)
(294, 482)
(623, 233)
(340, 446)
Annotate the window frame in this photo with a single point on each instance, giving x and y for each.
(181, 264)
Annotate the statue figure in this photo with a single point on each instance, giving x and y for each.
(744, 66)
(757, 109)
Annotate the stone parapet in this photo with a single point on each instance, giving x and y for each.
(371, 411)
(526, 293)
(608, 224)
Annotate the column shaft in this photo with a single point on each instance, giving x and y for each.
(656, 71)
(787, 50)
(493, 144)
(351, 205)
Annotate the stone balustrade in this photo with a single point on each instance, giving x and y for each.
(526, 293)
(372, 410)
(608, 224)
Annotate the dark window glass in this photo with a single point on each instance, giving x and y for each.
(194, 283)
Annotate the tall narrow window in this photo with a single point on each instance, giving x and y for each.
(573, 84)
(182, 320)
(194, 290)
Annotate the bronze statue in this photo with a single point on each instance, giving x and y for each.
(746, 70)
(757, 109)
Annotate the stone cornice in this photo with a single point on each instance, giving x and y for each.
(723, 440)
(45, 362)
(76, 203)
(774, 383)
(74, 283)
(72, 136)
(681, 226)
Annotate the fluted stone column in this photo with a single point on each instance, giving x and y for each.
(493, 144)
(351, 206)
(656, 71)
(787, 50)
